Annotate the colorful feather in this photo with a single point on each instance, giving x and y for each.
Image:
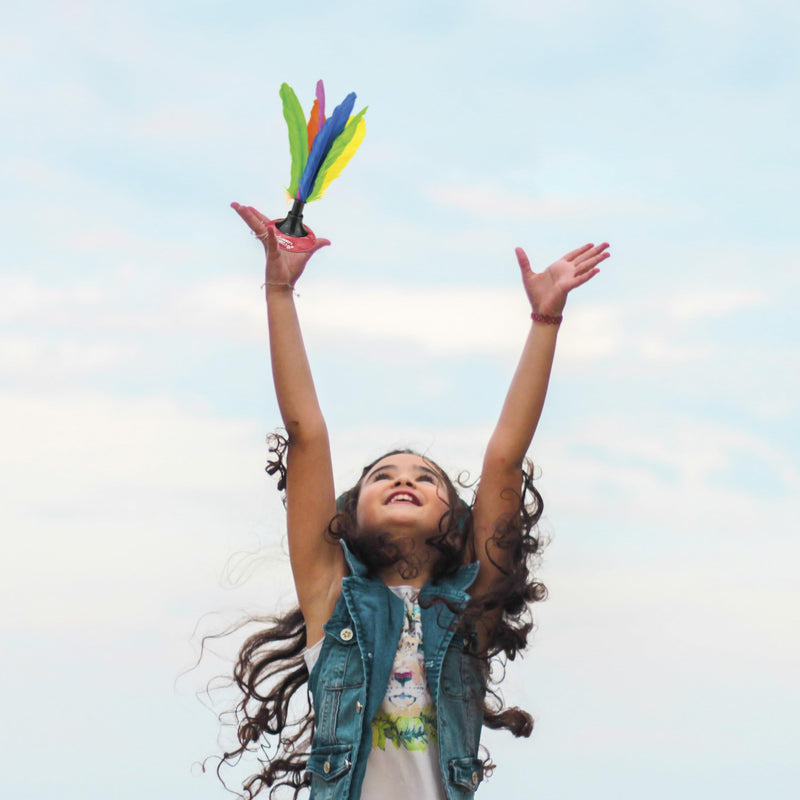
(298, 136)
(340, 154)
(323, 142)
(321, 100)
(313, 124)
(320, 147)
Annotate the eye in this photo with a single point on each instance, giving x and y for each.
(426, 476)
(381, 476)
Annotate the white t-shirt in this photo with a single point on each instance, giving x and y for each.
(404, 760)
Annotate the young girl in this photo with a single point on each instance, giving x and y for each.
(405, 592)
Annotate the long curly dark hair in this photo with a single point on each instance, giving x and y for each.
(275, 721)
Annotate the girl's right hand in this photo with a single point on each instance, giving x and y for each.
(283, 267)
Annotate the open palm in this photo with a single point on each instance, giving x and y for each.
(547, 291)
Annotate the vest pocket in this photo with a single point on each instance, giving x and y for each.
(466, 773)
(342, 667)
(330, 762)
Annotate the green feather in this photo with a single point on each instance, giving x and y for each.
(344, 138)
(298, 135)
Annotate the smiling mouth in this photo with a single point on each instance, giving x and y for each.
(403, 497)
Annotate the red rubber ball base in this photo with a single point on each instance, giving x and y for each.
(296, 244)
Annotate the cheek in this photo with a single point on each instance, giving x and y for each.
(442, 500)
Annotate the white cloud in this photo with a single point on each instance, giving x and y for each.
(493, 202)
(663, 350)
(437, 320)
(232, 307)
(715, 302)
(677, 472)
(17, 353)
(47, 360)
(115, 509)
(462, 320)
(92, 324)
(101, 237)
(27, 300)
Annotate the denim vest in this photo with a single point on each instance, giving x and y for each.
(349, 681)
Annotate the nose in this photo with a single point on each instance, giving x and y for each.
(401, 480)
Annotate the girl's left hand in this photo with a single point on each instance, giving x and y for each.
(548, 290)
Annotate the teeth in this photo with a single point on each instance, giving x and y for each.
(402, 498)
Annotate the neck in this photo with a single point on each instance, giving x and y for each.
(392, 576)
(410, 571)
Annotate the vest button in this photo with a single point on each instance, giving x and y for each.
(326, 767)
(474, 778)
(346, 634)
(359, 707)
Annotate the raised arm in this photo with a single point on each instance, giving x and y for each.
(317, 563)
(497, 498)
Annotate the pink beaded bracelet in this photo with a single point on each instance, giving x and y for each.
(547, 318)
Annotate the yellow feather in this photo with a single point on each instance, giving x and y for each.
(337, 166)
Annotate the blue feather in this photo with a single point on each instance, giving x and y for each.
(323, 142)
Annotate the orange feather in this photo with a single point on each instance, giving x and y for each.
(313, 124)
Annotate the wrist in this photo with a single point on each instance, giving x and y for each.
(547, 319)
(276, 289)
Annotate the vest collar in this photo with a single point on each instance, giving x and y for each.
(460, 582)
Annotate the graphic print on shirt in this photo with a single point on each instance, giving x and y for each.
(407, 717)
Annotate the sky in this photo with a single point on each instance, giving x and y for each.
(135, 395)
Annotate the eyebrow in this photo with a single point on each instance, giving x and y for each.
(394, 466)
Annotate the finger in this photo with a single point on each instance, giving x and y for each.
(242, 211)
(522, 258)
(263, 217)
(258, 222)
(581, 279)
(593, 251)
(585, 264)
(573, 254)
(273, 251)
(248, 215)
(321, 243)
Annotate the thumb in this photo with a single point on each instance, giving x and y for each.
(524, 263)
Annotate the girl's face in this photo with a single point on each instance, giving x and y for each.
(404, 494)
